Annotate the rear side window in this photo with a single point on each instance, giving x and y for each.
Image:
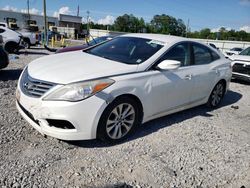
(2, 30)
(203, 55)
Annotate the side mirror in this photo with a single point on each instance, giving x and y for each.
(169, 65)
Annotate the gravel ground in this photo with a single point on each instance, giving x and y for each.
(194, 148)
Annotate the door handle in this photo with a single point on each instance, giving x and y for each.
(188, 77)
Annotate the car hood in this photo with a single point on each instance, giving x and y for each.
(75, 66)
(240, 58)
(72, 48)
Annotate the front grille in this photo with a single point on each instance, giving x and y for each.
(33, 87)
(241, 68)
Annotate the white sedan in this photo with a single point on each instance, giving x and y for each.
(106, 91)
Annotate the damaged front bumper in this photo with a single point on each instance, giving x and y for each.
(49, 117)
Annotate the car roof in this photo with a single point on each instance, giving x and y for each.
(158, 37)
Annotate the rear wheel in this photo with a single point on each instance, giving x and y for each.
(216, 95)
(118, 120)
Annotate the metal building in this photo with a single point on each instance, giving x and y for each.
(23, 20)
(70, 21)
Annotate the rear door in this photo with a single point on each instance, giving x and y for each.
(204, 71)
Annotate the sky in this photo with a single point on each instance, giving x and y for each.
(213, 14)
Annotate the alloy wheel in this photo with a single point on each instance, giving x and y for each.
(120, 121)
(217, 94)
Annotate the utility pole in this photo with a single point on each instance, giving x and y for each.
(88, 21)
(28, 6)
(187, 28)
(45, 22)
(78, 10)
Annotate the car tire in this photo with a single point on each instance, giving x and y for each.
(11, 47)
(26, 44)
(216, 95)
(118, 120)
(4, 60)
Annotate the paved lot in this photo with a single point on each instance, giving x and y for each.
(194, 148)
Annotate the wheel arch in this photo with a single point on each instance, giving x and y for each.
(224, 82)
(136, 99)
(98, 130)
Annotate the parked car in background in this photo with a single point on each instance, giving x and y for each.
(4, 58)
(93, 42)
(241, 65)
(107, 90)
(29, 38)
(213, 45)
(12, 41)
(233, 51)
(51, 34)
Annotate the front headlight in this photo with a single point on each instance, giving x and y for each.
(79, 91)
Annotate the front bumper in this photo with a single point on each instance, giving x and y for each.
(241, 70)
(240, 76)
(83, 115)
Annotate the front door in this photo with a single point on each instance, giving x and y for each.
(172, 89)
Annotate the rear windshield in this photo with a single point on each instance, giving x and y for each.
(129, 50)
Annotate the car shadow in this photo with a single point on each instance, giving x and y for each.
(153, 126)
(10, 74)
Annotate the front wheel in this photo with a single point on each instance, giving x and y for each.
(26, 44)
(216, 95)
(118, 120)
(11, 47)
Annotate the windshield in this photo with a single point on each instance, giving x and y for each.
(245, 52)
(129, 50)
(97, 40)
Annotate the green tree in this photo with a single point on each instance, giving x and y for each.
(129, 23)
(204, 33)
(166, 24)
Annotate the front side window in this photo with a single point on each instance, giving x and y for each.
(129, 50)
(179, 53)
